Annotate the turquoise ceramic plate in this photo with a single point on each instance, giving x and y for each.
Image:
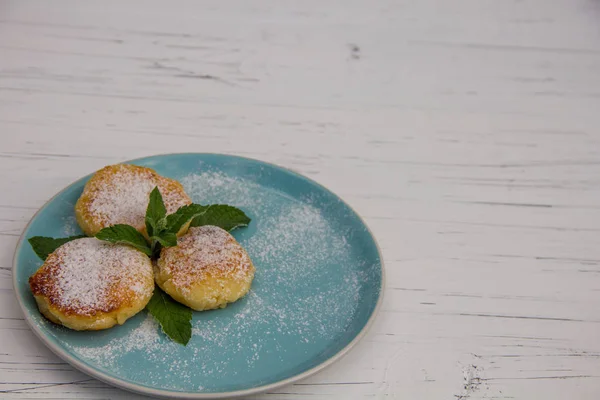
(318, 285)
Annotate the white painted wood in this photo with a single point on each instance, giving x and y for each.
(465, 132)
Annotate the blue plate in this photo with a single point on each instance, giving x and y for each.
(317, 288)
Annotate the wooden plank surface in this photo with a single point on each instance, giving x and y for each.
(465, 132)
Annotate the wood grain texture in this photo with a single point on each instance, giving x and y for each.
(465, 132)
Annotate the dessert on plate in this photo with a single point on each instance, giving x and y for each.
(88, 284)
(206, 270)
(118, 194)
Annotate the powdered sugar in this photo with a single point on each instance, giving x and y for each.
(123, 200)
(71, 228)
(219, 188)
(144, 337)
(298, 229)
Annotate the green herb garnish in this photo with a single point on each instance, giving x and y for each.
(223, 216)
(125, 234)
(174, 318)
(43, 246)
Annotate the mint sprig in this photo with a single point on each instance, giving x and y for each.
(174, 318)
(162, 229)
(44, 246)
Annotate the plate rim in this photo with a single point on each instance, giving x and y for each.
(164, 393)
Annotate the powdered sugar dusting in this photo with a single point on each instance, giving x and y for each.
(144, 337)
(71, 228)
(299, 229)
(305, 294)
(123, 200)
(216, 187)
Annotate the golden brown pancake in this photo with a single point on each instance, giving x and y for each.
(207, 269)
(88, 284)
(119, 194)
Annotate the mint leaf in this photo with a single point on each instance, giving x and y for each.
(222, 215)
(173, 317)
(155, 213)
(166, 239)
(125, 234)
(183, 215)
(43, 246)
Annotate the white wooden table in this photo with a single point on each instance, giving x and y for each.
(465, 132)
